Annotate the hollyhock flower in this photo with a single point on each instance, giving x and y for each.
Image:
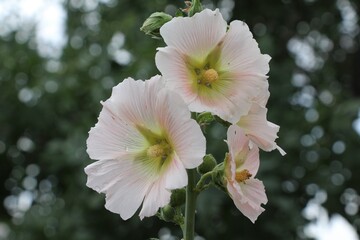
(241, 166)
(213, 69)
(261, 132)
(144, 140)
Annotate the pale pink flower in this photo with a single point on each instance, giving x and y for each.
(261, 132)
(241, 166)
(144, 141)
(213, 69)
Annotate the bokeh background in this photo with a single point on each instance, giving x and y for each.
(60, 58)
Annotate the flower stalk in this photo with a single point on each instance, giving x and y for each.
(190, 205)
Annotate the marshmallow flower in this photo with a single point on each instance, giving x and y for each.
(144, 140)
(214, 69)
(241, 165)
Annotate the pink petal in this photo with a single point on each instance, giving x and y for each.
(175, 176)
(184, 133)
(240, 52)
(259, 130)
(195, 36)
(105, 143)
(252, 162)
(250, 198)
(124, 183)
(172, 65)
(249, 211)
(157, 196)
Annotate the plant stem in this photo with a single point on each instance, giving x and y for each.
(190, 205)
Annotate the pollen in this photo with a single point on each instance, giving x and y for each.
(242, 176)
(156, 151)
(210, 76)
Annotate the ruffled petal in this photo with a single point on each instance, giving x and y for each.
(254, 192)
(172, 64)
(258, 129)
(105, 143)
(184, 133)
(253, 195)
(157, 196)
(240, 52)
(195, 36)
(249, 211)
(124, 183)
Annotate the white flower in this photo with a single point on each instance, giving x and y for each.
(241, 166)
(213, 69)
(144, 141)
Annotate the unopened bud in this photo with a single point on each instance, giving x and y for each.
(168, 213)
(178, 197)
(153, 24)
(205, 118)
(208, 164)
(195, 7)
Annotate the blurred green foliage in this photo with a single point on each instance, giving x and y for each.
(47, 106)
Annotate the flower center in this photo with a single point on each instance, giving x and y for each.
(210, 76)
(242, 176)
(159, 151)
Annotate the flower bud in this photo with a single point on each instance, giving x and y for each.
(195, 7)
(218, 177)
(208, 164)
(168, 213)
(205, 118)
(152, 24)
(178, 197)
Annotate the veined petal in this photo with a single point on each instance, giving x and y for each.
(249, 211)
(105, 143)
(172, 65)
(195, 36)
(184, 133)
(124, 183)
(254, 192)
(262, 132)
(176, 176)
(142, 141)
(157, 196)
(240, 52)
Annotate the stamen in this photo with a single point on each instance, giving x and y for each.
(242, 176)
(156, 151)
(210, 76)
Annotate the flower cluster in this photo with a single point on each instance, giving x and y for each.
(145, 138)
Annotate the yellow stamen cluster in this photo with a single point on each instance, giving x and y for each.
(156, 151)
(206, 76)
(210, 76)
(242, 176)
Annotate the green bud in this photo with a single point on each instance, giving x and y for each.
(209, 162)
(205, 118)
(153, 24)
(178, 197)
(218, 177)
(168, 213)
(195, 7)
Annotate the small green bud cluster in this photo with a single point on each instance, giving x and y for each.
(153, 24)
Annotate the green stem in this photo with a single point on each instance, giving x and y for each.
(190, 205)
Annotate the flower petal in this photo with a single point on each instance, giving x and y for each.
(254, 192)
(249, 203)
(175, 176)
(240, 52)
(172, 65)
(124, 183)
(262, 132)
(185, 134)
(157, 196)
(195, 36)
